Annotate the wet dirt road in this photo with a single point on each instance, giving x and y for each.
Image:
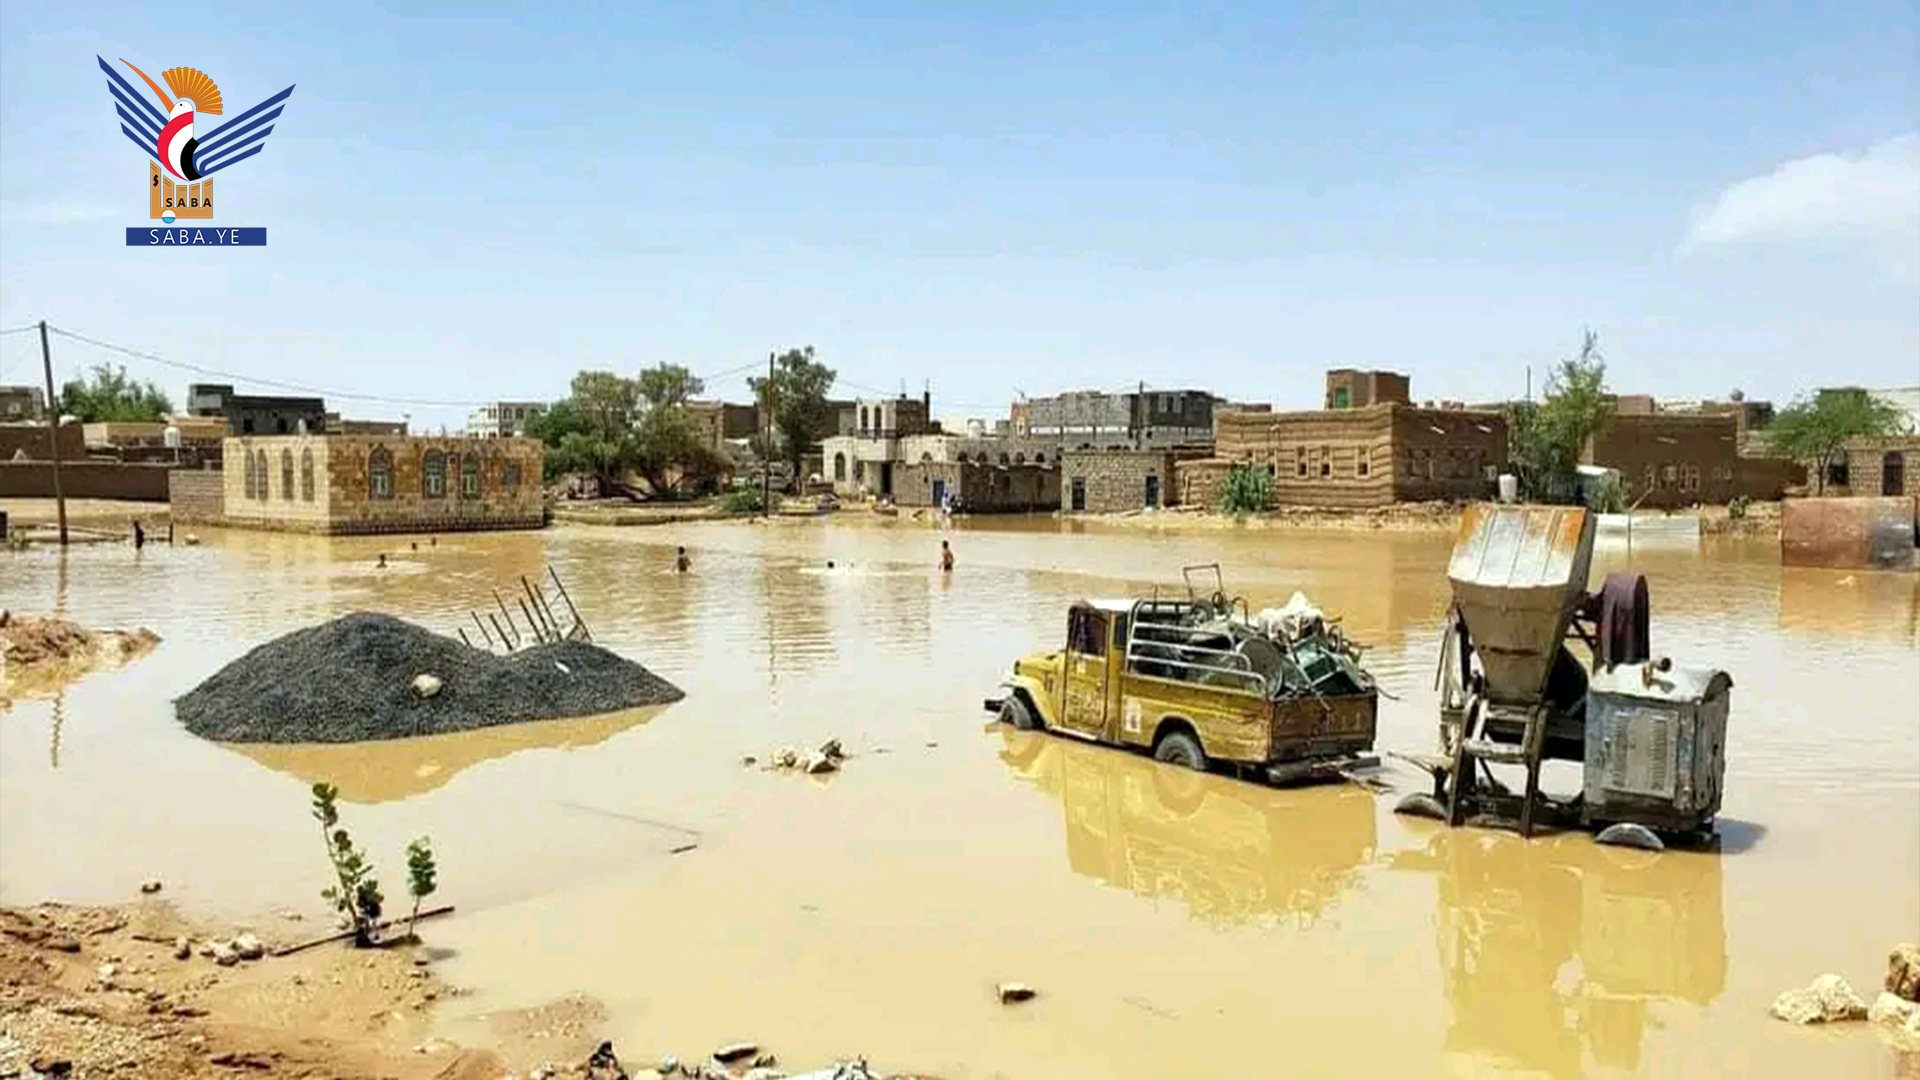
(1175, 925)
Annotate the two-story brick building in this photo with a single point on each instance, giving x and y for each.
(1371, 455)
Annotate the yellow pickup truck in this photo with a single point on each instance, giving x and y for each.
(1200, 683)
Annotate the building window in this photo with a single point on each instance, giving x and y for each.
(863, 419)
(286, 475)
(1039, 459)
(859, 470)
(510, 477)
(260, 469)
(433, 475)
(839, 466)
(960, 458)
(1668, 474)
(380, 473)
(1004, 460)
(1837, 475)
(470, 476)
(246, 460)
(306, 475)
(1019, 459)
(1326, 461)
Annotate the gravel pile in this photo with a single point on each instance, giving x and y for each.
(357, 678)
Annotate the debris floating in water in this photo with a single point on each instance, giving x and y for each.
(357, 678)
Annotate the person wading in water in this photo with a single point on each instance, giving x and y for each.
(682, 563)
(946, 558)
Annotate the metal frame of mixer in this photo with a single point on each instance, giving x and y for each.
(1529, 729)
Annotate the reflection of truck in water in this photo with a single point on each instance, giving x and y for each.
(1513, 915)
(1199, 681)
(1230, 852)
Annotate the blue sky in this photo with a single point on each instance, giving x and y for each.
(474, 202)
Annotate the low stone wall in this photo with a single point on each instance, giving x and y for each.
(1850, 534)
(196, 495)
(84, 480)
(1198, 481)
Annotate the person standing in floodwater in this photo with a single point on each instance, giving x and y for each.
(382, 563)
(139, 537)
(682, 563)
(946, 558)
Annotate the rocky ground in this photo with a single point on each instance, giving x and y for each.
(137, 992)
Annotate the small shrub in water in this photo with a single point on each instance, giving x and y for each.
(420, 879)
(356, 894)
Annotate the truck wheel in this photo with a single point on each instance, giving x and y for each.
(1015, 712)
(1180, 748)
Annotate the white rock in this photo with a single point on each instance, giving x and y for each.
(1829, 999)
(182, 948)
(786, 757)
(1891, 1009)
(818, 763)
(207, 948)
(249, 947)
(831, 749)
(107, 972)
(1011, 992)
(225, 954)
(426, 685)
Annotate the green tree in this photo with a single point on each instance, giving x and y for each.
(1815, 429)
(672, 450)
(799, 402)
(1545, 441)
(1246, 490)
(591, 430)
(110, 395)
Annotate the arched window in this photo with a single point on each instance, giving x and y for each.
(1019, 459)
(433, 475)
(306, 475)
(863, 419)
(510, 477)
(260, 470)
(380, 473)
(246, 466)
(470, 476)
(286, 474)
(960, 458)
(1004, 460)
(1039, 459)
(925, 457)
(839, 466)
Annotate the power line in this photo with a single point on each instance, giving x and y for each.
(21, 329)
(276, 384)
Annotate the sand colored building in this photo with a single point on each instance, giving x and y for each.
(374, 483)
(1363, 456)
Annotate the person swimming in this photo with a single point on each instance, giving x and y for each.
(829, 564)
(681, 562)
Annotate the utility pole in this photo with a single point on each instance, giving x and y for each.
(53, 432)
(766, 465)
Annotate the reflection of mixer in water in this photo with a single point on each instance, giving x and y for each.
(1649, 736)
(1231, 852)
(1644, 930)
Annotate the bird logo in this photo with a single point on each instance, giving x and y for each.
(184, 189)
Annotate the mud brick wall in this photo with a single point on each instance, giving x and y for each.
(1115, 480)
(31, 440)
(84, 480)
(196, 495)
(1368, 456)
(1848, 533)
(1198, 481)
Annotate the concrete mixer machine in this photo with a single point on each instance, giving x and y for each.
(1649, 737)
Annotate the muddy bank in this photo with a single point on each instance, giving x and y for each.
(1753, 520)
(45, 651)
(101, 992)
(369, 676)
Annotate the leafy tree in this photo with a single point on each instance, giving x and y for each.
(1545, 441)
(1815, 429)
(799, 391)
(665, 385)
(1246, 490)
(591, 430)
(422, 879)
(111, 395)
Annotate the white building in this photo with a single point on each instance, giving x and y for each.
(502, 419)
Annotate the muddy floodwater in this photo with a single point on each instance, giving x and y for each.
(1175, 925)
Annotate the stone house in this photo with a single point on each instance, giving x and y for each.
(249, 414)
(1350, 389)
(374, 484)
(1114, 481)
(1098, 420)
(24, 441)
(1370, 455)
(1671, 460)
(979, 487)
(21, 403)
(1886, 467)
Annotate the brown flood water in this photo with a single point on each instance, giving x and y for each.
(1175, 925)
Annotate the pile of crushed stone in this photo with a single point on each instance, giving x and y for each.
(359, 678)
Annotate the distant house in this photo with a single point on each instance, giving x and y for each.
(503, 419)
(258, 414)
(1364, 456)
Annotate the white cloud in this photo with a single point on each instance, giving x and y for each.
(1872, 199)
(57, 213)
